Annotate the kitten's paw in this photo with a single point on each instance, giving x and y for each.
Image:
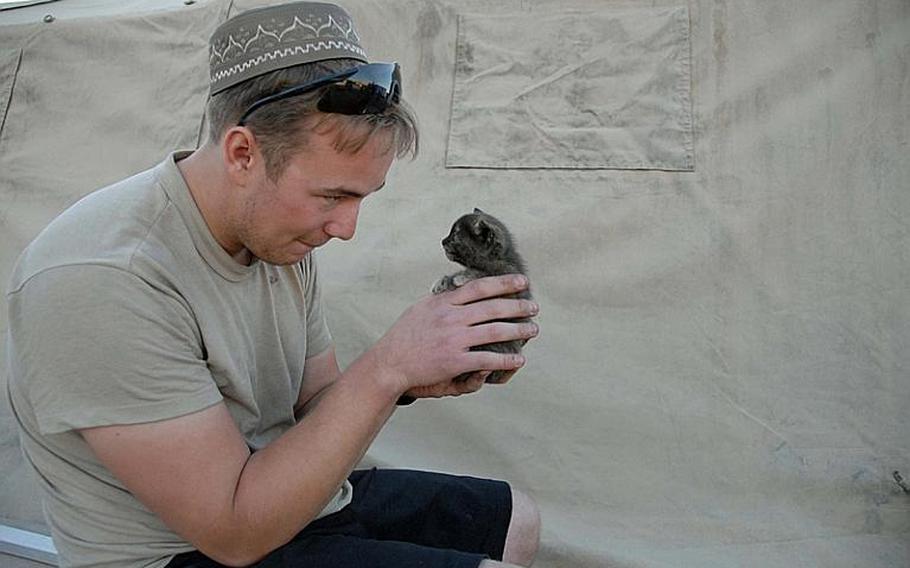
(444, 284)
(459, 280)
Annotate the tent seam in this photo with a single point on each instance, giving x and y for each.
(12, 87)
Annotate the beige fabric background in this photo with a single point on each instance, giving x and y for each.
(722, 377)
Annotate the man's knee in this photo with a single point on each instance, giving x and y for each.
(523, 537)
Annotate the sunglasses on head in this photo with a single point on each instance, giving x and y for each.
(366, 89)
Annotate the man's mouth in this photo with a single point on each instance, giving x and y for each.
(311, 245)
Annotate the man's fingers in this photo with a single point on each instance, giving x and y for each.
(489, 287)
(500, 331)
(473, 383)
(498, 309)
(490, 361)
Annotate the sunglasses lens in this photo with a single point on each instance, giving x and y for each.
(368, 91)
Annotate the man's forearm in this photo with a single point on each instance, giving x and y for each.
(305, 408)
(285, 485)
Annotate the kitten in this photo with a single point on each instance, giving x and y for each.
(483, 245)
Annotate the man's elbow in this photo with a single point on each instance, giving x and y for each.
(243, 543)
(238, 545)
(236, 554)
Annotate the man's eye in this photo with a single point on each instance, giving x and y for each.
(333, 198)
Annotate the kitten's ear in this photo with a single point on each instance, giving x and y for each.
(484, 230)
(476, 210)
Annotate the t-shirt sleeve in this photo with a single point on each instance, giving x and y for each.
(318, 337)
(97, 345)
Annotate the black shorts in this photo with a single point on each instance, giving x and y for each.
(399, 519)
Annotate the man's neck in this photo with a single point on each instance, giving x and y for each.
(204, 175)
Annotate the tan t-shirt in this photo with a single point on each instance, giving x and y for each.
(125, 310)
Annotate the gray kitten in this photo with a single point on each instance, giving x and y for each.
(483, 245)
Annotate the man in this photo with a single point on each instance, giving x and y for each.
(170, 365)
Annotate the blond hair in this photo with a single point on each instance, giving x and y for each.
(281, 128)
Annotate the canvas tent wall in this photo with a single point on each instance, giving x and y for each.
(712, 197)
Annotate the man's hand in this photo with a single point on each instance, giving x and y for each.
(431, 343)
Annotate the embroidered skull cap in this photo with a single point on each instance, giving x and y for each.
(274, 37)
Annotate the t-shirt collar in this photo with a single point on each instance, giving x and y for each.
(215, 256)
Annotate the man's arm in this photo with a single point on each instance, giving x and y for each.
(319, 373)
(198, 475)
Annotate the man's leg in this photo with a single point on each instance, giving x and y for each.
(523, 537)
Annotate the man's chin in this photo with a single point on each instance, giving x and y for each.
(291, 253)
(288, 256)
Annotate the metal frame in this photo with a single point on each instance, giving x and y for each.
(27, 544)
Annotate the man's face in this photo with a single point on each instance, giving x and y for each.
(316, 198)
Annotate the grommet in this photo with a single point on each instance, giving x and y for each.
(49, 18)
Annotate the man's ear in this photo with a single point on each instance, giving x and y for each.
(239, 152)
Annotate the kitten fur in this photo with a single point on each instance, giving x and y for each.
(484, 246)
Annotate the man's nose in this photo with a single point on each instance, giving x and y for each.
(344, 223)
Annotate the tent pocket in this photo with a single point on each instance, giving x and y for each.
(583, 90)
